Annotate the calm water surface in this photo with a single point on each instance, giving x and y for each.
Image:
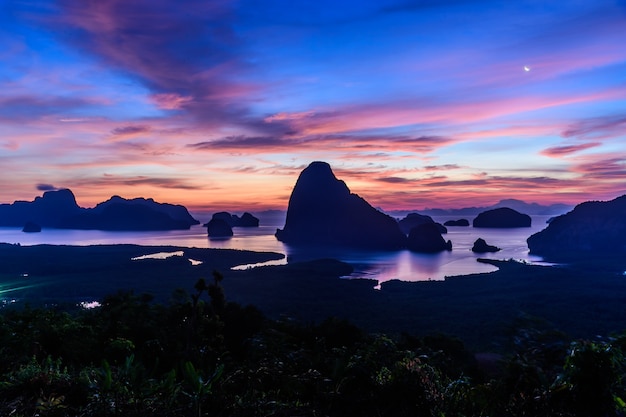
(382, 266)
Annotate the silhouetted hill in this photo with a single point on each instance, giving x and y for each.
(58, 209)
(50, 210)
(519, 205)
(591, 228)
(323, 211)
(174, 211)
(502, 217)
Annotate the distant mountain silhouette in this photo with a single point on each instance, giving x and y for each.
(591, 228)
(502, 217)
(518, 205)
(58, 209)
(323, 211)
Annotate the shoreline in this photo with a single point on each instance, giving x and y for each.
(481, 309)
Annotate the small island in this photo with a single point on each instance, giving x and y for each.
(502, 217)
(460, 223)
(481, 246)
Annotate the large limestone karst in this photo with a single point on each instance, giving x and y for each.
(49, 210)
(323, 211)
(592, 228)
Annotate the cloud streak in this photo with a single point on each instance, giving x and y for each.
(559, 151)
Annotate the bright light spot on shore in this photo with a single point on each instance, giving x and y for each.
(88, 305)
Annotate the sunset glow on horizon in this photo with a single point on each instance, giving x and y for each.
(220, 104)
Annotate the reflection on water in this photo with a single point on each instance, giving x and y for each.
(158, 255)
(381, 265)
(266, 263)
(165, 255)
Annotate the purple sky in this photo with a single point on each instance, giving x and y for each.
(219, 104)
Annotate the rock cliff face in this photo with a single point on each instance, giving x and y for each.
(503, 217)
(415, 219)
(591, 228)
(58, 209)
(426, 238)
(323, 211)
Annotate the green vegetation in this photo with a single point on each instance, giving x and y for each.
(201, 355)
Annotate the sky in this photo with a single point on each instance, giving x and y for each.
(220, 104)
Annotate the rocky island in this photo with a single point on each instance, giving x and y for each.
(593, 228)
(219, 228)
(323, 211)
(502, 217)
(481, 246)
(459, 222)
(233, 220)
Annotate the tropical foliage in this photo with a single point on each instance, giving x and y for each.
(203, 356)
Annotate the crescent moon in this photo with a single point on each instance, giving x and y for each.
(526, 68)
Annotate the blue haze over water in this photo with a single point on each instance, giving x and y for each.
(380, 265)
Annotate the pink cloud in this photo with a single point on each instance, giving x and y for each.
(599, 128)
(602, 169)
(451, 113)
(170, 101)
(10, 145)
(558, 151)
(129, 131)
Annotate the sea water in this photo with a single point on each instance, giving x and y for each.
(379, 265)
